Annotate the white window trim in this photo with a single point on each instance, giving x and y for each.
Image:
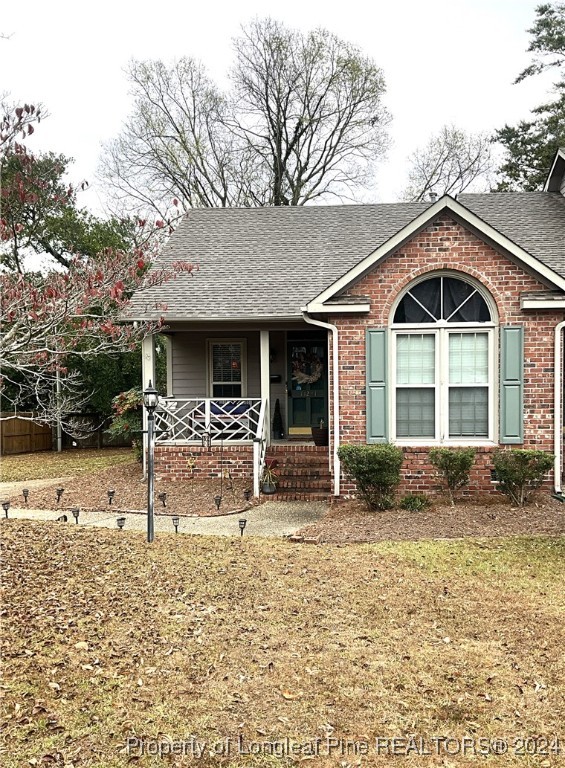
(210, 380)
(441, 331)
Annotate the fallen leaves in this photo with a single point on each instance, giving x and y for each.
(107, 637)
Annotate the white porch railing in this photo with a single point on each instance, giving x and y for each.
(204, 420)
(196, 420)
(260, 446)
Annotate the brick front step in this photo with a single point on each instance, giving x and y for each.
(295, 484)
(303, 470)
(297, 496)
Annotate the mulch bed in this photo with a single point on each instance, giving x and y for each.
(345, 521)
(350, 521)
(90, 492)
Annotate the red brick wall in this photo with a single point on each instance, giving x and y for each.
(447, 245)
(173, 462)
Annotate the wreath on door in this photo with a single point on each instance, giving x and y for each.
(307, 372)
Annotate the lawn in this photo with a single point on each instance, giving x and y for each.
(49, 464)
(247, 652)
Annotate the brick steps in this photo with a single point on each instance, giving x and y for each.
(303, 472)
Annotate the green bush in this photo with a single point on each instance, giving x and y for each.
(453, 466)
(520, 472)
(376, 471)
(415, 502)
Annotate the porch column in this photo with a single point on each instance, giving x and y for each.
(265, 372)
(147, 375)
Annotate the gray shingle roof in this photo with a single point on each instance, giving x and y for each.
(269, 262)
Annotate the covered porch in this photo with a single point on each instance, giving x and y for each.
(236, 392)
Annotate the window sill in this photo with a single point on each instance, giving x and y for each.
(468, 443)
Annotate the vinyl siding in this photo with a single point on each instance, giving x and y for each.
(190, 364)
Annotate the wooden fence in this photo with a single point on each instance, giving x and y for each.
(21, 435)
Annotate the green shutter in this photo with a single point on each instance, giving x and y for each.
(377, 421)
(512, 384)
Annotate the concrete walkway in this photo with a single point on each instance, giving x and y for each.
(272, 518)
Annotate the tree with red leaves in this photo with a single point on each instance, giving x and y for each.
(48, 318)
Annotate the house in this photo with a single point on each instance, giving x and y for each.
(422, 324)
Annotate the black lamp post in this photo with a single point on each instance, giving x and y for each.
(163, 497)
(121, 521)
(25, 492)
(59, 492)
(247, 494)
(242, 524)
(6, 507)
(150, 401)
(111, 494)
(76, 513)
(176, 522)
(217, 501)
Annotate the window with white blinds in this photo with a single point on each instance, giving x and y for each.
(227, 368)
(443, 363)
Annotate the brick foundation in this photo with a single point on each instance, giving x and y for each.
(173, 462)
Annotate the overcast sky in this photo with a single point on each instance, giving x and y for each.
(445, 61)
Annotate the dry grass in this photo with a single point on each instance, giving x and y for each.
(48, 464)
(106, 638)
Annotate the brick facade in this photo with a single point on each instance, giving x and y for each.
(176, 462)
(446, 245)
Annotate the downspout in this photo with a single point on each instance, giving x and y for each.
(557, 396)
(335, 389)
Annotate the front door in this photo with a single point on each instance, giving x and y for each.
(307, 382)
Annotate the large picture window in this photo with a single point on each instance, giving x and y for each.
(443, 337)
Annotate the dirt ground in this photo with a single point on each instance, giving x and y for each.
(346, 521)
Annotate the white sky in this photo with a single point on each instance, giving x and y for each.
(444, 61)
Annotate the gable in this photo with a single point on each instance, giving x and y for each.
(445, 248)
(556, 177)
(458, 213)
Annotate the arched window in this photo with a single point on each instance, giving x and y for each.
(442, 341)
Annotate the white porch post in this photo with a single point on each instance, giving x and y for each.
(147, 375)
(265, 380)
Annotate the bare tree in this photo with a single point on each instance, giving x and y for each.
(450, 163)
(309, 108)
(176, 145)
(304, 119)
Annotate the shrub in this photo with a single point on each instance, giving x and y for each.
(415, 502)
(376, 471)
(453, 465)
(127, 419)
(520, 472)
